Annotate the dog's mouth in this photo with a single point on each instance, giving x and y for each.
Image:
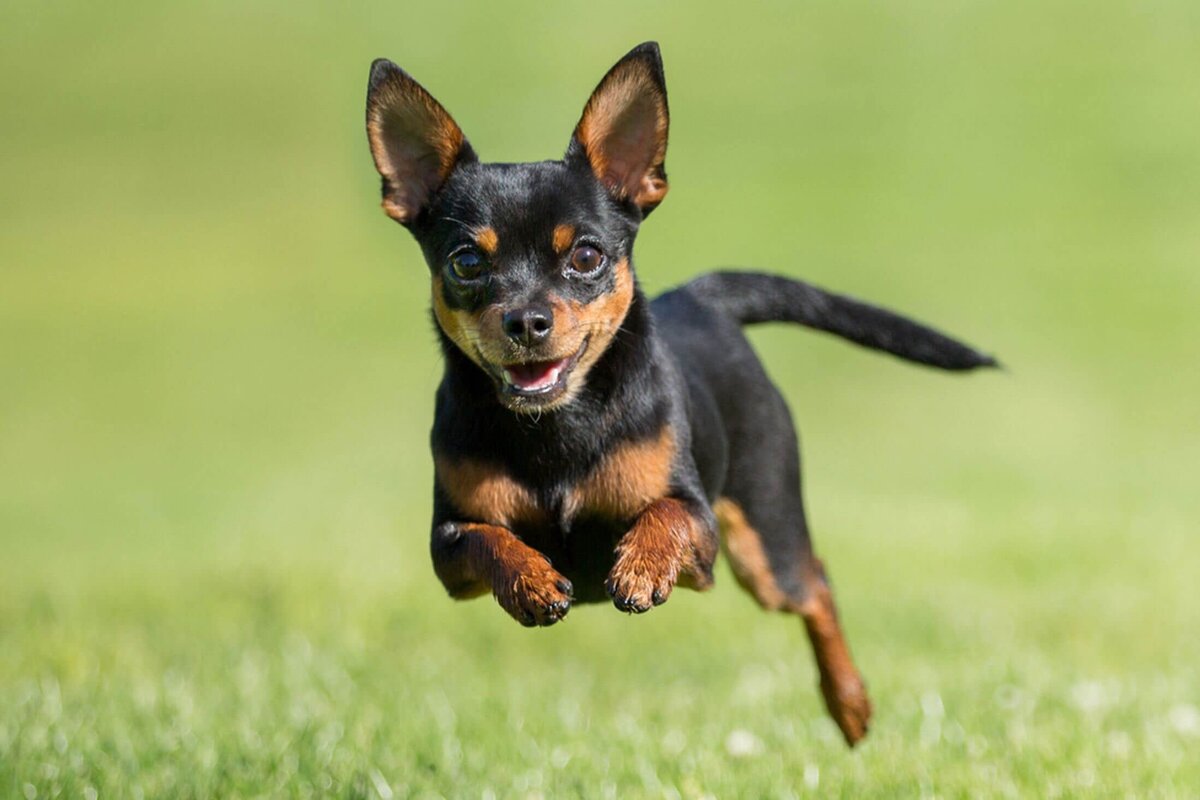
(535, 384)
(535, 377)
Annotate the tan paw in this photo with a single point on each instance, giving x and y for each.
(533, 592)
(638, 581)
(849, 706)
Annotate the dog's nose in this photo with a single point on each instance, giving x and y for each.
(529, 325)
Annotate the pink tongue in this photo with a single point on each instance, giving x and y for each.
(538, 375)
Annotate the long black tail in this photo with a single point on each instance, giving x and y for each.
(751, 297)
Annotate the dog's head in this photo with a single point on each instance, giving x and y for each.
(530, 262)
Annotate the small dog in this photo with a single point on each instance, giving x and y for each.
(588, 443)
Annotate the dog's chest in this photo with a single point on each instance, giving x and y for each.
(618, 488)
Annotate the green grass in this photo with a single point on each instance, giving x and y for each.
(216, 377)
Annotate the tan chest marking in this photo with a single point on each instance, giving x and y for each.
(624, 484)
(628, 479)
(484, 492)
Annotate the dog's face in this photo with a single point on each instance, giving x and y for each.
(530, 263)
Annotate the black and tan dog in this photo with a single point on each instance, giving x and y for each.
(589, 443)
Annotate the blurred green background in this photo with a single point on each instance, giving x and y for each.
(216, 377)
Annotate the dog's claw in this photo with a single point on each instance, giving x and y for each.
(635, 592)
(627, 603)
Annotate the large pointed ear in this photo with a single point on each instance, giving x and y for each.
(415, 143)
(623, 131)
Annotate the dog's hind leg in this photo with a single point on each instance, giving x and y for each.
(765, 536)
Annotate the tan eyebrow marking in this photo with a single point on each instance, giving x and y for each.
(564, 236)
(487, 240)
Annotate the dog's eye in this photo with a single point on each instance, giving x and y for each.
(466, 265)
(586, 258)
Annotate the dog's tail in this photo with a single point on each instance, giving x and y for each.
(751, 297)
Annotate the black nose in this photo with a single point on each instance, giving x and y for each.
(528, 325)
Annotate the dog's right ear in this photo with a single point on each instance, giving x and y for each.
(414, 141)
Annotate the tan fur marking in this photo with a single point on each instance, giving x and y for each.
(485, 493)
(564, 237)
(628, 479)
(841, 685)
(600, 320)
(487, 240)
(462, 327)
(747, 558)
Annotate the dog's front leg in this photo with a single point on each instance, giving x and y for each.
(672, 541)
(473, 558)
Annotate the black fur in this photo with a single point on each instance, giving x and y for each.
(751, 297)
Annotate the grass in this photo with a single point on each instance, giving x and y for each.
(217, 380)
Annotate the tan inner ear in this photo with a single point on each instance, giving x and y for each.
(415, 144)
(624, 135)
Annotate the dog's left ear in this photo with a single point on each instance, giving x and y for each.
(623, 132)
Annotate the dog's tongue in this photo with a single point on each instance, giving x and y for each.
(534, 376)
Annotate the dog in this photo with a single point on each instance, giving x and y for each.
(589, 443)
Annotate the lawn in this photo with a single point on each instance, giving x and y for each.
(216, 377)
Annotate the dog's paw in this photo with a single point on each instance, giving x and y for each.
(637, 583)
(533, 592)
(848, 704)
